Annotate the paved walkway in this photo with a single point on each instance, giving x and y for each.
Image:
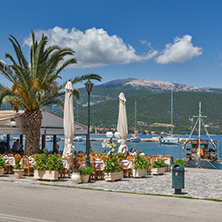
(199, 183)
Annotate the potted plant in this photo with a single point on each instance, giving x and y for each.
(140, 166)
(2, 166)
(18, 170)
(113, 170)
(85, 172)
(75, 177)
(158, 168)
(47, 167)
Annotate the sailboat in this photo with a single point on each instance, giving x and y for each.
(134, 137)
(171, 140)
(202, 152)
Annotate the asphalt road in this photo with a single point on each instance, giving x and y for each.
(38, 203)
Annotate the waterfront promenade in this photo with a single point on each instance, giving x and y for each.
(199, 183)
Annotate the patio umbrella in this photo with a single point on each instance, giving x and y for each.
(122, 127)
(68, 121)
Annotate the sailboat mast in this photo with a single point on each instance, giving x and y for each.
(135, 119)
(171, 112)
(199, 128)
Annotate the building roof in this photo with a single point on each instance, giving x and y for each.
(52, 124)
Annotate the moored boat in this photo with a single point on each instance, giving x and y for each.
(200, 152)
(50, 138)
(134, 138)
(78, 138)
(171, 140)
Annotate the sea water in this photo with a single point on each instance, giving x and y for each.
(149, 148)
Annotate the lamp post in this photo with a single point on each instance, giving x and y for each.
(89, 86)
(110, 135)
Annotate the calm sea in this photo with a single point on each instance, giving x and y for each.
(148, 148)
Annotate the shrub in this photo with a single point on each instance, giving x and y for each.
(2, 162)
(158, 164)
(141, 163)
(112, 165)
(51, 162)
(88, 170)
(18, 166)
(182, 162)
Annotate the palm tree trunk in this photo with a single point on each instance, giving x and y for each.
(33, 122)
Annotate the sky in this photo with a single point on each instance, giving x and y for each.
(177, 41)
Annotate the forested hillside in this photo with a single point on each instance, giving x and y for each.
(155, 108)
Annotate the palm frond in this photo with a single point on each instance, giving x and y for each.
(86, 77)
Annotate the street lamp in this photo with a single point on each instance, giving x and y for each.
(13, 123)
(110, 135)
(89, 86)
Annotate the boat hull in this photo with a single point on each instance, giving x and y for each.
(134, 139)
(169, 140)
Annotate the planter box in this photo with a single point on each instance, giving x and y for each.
(46, 175)
(18, 173)
(158, 171)
(2, 171)
(113, 176)
(139, 173)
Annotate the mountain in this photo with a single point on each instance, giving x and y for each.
(150, 85)
(115, 83)
(132, 87)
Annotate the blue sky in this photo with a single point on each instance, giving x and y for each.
(167, 40)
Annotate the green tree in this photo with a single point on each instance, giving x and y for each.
(35, 84)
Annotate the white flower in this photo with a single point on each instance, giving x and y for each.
(108, 144)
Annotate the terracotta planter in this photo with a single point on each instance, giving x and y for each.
(2, 171)
(139, 173)
(84, 178)
(46, 175)
(75, 177)
(113, 176)
(18, 173)
(158, 171)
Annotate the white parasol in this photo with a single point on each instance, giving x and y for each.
(122, 127)
(68, 121)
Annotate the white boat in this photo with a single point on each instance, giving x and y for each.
(78, 138)
(3, 138)
(50, 138)
(202, 152)
(134, 137)
(171, 140)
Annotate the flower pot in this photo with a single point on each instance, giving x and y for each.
(46, 175)
(18, 173)
(113, 176)
(84, 178)
(139, 173)
(75, 177)
(2, 171)
(158, 171)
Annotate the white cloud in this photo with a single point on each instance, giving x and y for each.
(179, 52)
(3, 61)
(94, 47)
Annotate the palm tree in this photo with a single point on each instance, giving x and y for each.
(35, 84)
